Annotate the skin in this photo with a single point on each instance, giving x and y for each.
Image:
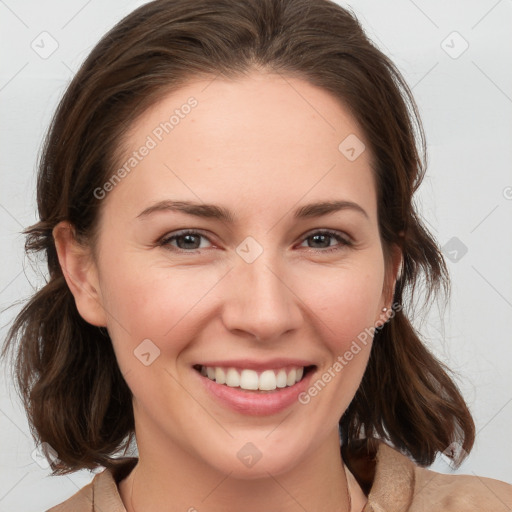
(261, 146)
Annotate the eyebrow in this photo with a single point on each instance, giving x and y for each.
(214, 211)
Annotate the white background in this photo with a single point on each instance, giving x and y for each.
(466, 107)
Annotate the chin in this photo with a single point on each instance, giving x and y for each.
(252, 460)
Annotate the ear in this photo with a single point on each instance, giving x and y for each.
(393, 267)
(81, 274)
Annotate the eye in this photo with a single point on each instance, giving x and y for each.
(188, 240)
(323, 238)
(185, 240)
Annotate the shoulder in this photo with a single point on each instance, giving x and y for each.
(101, 493)
(82, 501)
(436, 491)
(392, 481)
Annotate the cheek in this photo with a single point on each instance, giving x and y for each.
(344, 308)
(344, 301)
(153, 303)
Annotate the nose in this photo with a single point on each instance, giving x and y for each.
(261, 300)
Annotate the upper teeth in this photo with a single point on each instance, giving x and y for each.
(252, 380)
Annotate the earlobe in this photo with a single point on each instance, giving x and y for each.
(80, 272)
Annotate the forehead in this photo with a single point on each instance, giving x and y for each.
(259, 142)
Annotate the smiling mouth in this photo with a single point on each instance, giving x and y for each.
(271, 380)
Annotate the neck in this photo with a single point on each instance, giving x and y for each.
(168, 478)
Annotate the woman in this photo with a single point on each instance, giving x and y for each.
(198, 157)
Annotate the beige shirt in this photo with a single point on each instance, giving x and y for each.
(390, 480)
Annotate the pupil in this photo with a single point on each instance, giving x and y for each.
(188, 239)
(324, 237)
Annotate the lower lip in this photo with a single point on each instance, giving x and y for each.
(256, 403)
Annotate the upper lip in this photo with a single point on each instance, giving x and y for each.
(252, 364)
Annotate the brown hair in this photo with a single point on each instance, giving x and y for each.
(75, 396)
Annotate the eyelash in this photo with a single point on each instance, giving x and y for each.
(344, 242)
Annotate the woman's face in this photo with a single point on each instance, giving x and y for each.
(264, 290)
